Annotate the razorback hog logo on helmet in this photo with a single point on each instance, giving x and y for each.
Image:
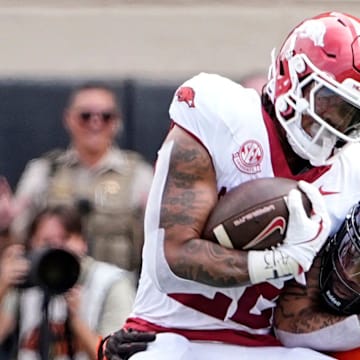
(311, 29)
(186, 94)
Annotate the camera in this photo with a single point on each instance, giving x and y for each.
(54, 270)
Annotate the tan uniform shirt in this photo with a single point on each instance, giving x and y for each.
(112, 196)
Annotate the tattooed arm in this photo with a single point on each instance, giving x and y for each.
(302, 320)
(299, 309)
(189, 196)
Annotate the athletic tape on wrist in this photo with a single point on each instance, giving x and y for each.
(270, 264)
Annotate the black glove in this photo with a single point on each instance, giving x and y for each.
(124, 343)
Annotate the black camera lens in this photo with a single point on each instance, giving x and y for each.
(53, 270)
(58, 271)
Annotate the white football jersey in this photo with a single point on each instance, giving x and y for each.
(241, 140)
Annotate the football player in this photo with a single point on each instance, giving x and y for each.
(207, 301)
(324, 314)
(332, 290)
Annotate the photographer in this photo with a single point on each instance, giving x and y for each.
(74, 320)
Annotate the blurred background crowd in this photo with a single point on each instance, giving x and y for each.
(145, 48)
(84, 93)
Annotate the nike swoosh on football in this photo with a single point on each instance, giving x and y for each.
(277, 223)
(324, 192)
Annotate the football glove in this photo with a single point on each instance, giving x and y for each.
(305, 234)
(304, 237)
(123, 343)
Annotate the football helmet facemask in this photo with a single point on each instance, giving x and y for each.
(339, 277)
(316, 78)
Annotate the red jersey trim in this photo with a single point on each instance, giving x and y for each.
(227, 336)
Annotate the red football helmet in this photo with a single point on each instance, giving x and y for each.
(316, 75)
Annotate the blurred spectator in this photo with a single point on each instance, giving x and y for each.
(108, 185)
(9, 207)
(95, 306)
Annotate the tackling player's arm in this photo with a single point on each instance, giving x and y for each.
(302, 320)
(189, 196)
(299, 309)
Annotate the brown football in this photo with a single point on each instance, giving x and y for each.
(252, 215)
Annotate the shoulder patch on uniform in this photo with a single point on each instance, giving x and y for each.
(249, 157)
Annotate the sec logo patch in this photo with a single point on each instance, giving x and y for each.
(249, 157)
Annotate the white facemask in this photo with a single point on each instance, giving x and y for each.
(316, 152)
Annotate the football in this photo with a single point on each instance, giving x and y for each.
(252, 215)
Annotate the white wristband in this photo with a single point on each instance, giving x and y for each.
(270, 264)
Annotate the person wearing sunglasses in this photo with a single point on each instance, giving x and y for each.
(108, 185)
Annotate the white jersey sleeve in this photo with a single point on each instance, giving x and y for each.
(208, 107)
(222, 115)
